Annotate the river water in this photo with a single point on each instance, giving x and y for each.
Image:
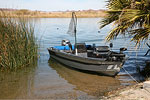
(51, 80)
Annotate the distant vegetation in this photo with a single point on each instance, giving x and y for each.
(58, 14)
(18, 46)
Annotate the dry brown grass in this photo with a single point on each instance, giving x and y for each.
(40, 14)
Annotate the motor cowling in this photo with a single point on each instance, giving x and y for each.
(122, 49)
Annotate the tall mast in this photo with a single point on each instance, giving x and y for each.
(72, 29)
(75, 31)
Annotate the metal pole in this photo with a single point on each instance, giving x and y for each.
(75, 31)
(76, 51)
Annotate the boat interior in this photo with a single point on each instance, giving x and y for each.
(93, 51)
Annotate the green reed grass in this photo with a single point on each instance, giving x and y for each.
(18, 46)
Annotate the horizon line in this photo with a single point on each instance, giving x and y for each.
(51, 11)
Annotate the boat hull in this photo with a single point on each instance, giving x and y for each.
(109, 68)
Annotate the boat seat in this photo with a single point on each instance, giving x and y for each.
(81, 47)
(102, 54)
(102, 51)
(102, 48)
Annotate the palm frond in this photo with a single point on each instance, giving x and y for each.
(112, 16)
(130, 17)
(140, 35)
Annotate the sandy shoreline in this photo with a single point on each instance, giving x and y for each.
(134, 92)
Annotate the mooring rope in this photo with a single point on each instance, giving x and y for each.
(130, 75)
(135, 79)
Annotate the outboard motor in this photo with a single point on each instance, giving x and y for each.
(66, 42)
(122, 49)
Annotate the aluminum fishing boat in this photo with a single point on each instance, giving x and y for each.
(87, 57)
(99, 59)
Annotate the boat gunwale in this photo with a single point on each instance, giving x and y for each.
(99, 61)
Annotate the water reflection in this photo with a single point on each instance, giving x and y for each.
(17, 84)
(91, 84)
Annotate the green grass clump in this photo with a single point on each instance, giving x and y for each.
(18, 46)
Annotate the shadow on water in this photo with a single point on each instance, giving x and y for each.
(89, 83)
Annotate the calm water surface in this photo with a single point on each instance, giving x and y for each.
(51, 80)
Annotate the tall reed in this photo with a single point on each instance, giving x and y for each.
(18, 46)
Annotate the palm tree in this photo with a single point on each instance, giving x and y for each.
(129, 17)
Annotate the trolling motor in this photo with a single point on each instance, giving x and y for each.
(120, 56)
(66, 42)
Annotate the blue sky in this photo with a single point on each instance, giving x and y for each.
(53, 5)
